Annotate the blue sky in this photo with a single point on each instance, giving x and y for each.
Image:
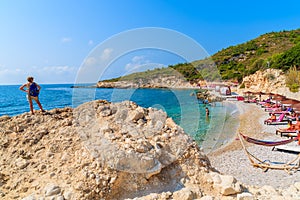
(52, 39)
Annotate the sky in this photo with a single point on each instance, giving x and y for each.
(56, 40)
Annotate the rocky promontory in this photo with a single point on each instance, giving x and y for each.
(104, 150)
(157, 82)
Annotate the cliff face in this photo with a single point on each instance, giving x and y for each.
(270, 80)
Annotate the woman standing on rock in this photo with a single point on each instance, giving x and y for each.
(33, 90)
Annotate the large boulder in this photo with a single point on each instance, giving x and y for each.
(130, 138)
(225, 184)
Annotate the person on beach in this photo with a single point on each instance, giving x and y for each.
(297, 124)
(290, 125)
(272, 118)
(32, 90)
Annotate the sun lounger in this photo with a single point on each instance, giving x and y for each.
(253, 101)
(272, 109)
(284, 131)
(294, 147)
(256, 162)
(289, 135)
(260, 103)
(279, 112)
(280, 120)
(291, 118)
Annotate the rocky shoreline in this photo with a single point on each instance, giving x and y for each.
(159, 82)
(103, 150)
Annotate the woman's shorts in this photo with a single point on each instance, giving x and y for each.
(29, 97)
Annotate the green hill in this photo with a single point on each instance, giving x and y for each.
(280, 50)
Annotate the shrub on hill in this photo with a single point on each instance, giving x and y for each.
(293, 79)
(287, 59)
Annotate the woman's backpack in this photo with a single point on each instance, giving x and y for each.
(33, 90)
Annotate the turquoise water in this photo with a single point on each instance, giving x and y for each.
(181, 105)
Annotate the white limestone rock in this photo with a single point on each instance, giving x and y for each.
(245, 196)
(51, 190)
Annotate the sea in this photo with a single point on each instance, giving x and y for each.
(180, 104)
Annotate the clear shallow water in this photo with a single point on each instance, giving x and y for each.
(180, 105)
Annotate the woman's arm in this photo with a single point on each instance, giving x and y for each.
(23, 86)
(38, 86)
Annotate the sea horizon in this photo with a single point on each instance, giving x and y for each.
(180, 105)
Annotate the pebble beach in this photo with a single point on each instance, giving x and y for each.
(231, 159)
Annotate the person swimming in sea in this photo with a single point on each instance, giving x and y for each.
(207, 112)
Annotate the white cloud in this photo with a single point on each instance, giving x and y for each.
(90, 61)
(47, 74)
(66, 40)
(56, 74)
(8, 72)
(12, 76)
(106, 54)
(57, 69)
(136, 62)
(138, 59)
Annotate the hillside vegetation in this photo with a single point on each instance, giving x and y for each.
(278, 50)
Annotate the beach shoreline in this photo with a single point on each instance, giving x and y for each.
(231, 159)
(232, 144)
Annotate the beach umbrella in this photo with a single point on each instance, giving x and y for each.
(269, 93)
(259, 94)
(296, 106)
(277, 95)
(290, 101)
(248, 93)
(279, 98)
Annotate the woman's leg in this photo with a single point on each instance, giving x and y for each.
(30, 105)
(39, 104)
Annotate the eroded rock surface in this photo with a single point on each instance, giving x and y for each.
(102, 150)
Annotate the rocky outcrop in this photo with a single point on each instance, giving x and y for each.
(159, 82)
(98, 150)
(265, 81)
(102, 150)
(270, 80)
